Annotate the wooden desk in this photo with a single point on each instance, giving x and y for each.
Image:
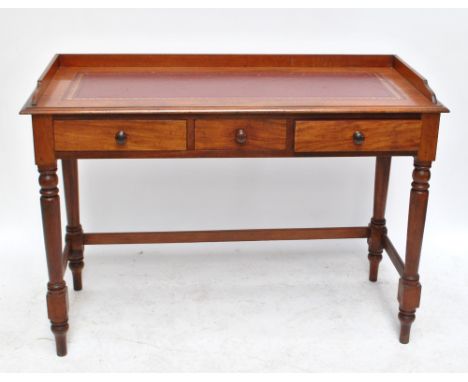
(187, 106)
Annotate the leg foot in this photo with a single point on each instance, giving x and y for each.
(76, 273)
(57, 306)
(406, 319)
(60, 333)
(409, 295)
(374, 261)
(76, 263)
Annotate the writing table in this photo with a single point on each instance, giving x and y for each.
(191, 106)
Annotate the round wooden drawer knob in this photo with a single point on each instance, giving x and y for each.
(358, 138)
(121, 137)
(241, 136)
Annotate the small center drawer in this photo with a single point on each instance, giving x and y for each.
(126, 135)
(357, 135)
(240, 134)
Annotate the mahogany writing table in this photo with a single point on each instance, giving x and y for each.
(191, 106)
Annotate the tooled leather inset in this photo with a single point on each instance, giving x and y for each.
(231, 84)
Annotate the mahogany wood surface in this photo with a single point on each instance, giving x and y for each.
(74, 236)
(226, 235)
(230, 106)
(229, 83)
(409, 291)
(224, 60)
(65, 256)
(393, 254)
(100, 135)
(57, 297)
(224, 134)
(331, 136)
(418, 81)
(429, 134)
(377, 223)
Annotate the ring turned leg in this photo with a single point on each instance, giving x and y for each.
(409, 290)
(57, 300)
(377, 224)
(74, 234)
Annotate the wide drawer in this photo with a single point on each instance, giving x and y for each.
(126, 135)
(240, 134)
(357, 135)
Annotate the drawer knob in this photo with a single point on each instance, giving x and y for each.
(121, 137)
(241, 136)
(358, 138)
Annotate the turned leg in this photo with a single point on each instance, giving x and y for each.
(409, 290)
(377, 228)
(74, 234)
(57, 300)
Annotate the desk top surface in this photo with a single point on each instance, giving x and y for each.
(83, 84)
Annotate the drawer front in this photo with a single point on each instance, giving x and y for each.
(357, 135)
(134, 135)
(240, 134)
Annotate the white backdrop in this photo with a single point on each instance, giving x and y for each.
(228, 193)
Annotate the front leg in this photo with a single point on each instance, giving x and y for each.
(409, 290)
(57, 299)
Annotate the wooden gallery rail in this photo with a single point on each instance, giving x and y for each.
(230, 106)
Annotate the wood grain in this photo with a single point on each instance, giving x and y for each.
(380, 135)
(74, 236)
(409, 290)
(44, 79)
(416, 79)
(57, 300)
(99, 135)
(429, 134)
(262, 134)
(224, 60)
(43, 134)
(231, 106)
(393, 255)
(163, 84)
(225, 235)
(377, 224)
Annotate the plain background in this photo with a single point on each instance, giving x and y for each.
(272, 306)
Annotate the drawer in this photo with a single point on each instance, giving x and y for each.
(126, 135)
(240, 134)
(357, 135)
